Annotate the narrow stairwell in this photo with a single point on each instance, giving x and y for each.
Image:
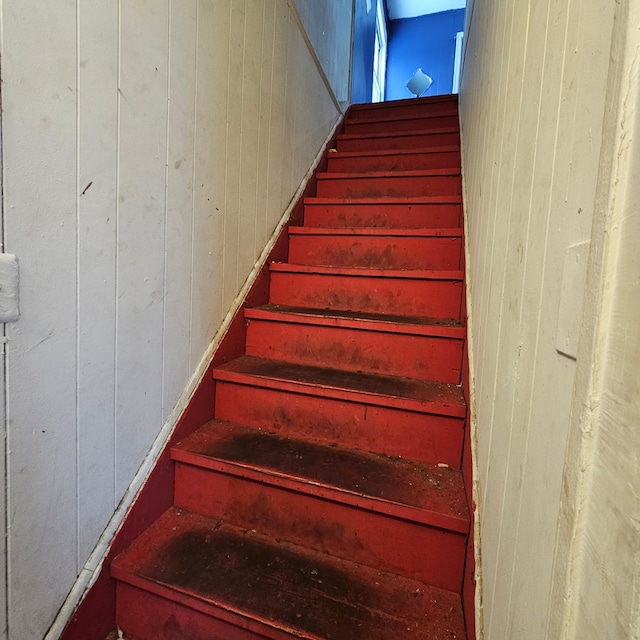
(326, 499)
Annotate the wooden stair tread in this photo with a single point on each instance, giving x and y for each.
(279, 589)
(416, 274)
(428, 494)
(397, 134)
(419, 232)
(416, 115)
(382, 200)
(415, 102)
(417, 173)
(446, 148)
(360, 320)
(416, 395)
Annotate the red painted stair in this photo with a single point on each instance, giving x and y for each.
(325, 500)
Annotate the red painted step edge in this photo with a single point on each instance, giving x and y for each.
(455, 232)
(413, 274)
(427, 397)
(411, 326)
(441, 503)
(152, 565)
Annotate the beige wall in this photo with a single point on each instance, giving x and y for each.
(150, 150)
(597, 573)
(532, 110)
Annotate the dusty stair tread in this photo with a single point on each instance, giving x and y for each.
(359, 320)
(412, 151)
(383, 200)
(380, 175)
(422, 232)
(415, 102)
(280, 589)
(428, 494)
(406, 393)
(397, 134)
(416, 114)
(443, 156)
(370, 272)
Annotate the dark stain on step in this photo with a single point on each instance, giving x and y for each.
(273, 583)
(366, 474)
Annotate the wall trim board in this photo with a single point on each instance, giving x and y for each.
(305, 36)
(89, 609)
(472, 417)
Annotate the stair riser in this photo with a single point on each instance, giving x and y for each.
(147, 616)
(394, 216)
(420, 437)
(383, 252)
(394, 162)
(422, 357)
(400, 296)
(403, 109)
(386, 186)
(404, 124)
(419, 552)
(401, 141)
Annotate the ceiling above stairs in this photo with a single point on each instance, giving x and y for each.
(411, 8)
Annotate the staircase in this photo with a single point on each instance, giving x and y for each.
(325, 500)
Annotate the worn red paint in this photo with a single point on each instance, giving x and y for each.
(385, 141)
(407, 123)
(396, 213)
(429, 293)
(418, 436)
(408, 251)
(427, 182)
(436, 158)
(430, 107)
(235, 570)
(338, 431)
(377, 349)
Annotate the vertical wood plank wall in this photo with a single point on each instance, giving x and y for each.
(532, 108)
(597, 568)
(150, 150)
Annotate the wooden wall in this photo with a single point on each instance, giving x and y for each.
(150, 148)
(532, 109)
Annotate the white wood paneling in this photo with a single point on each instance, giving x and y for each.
(150, 150)
(231, 213)
(180, 199)
(40, 208)
(531, 142)
(143, 107)
(249, 168)
(264, 222)
(97, 165)
(209, 186)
